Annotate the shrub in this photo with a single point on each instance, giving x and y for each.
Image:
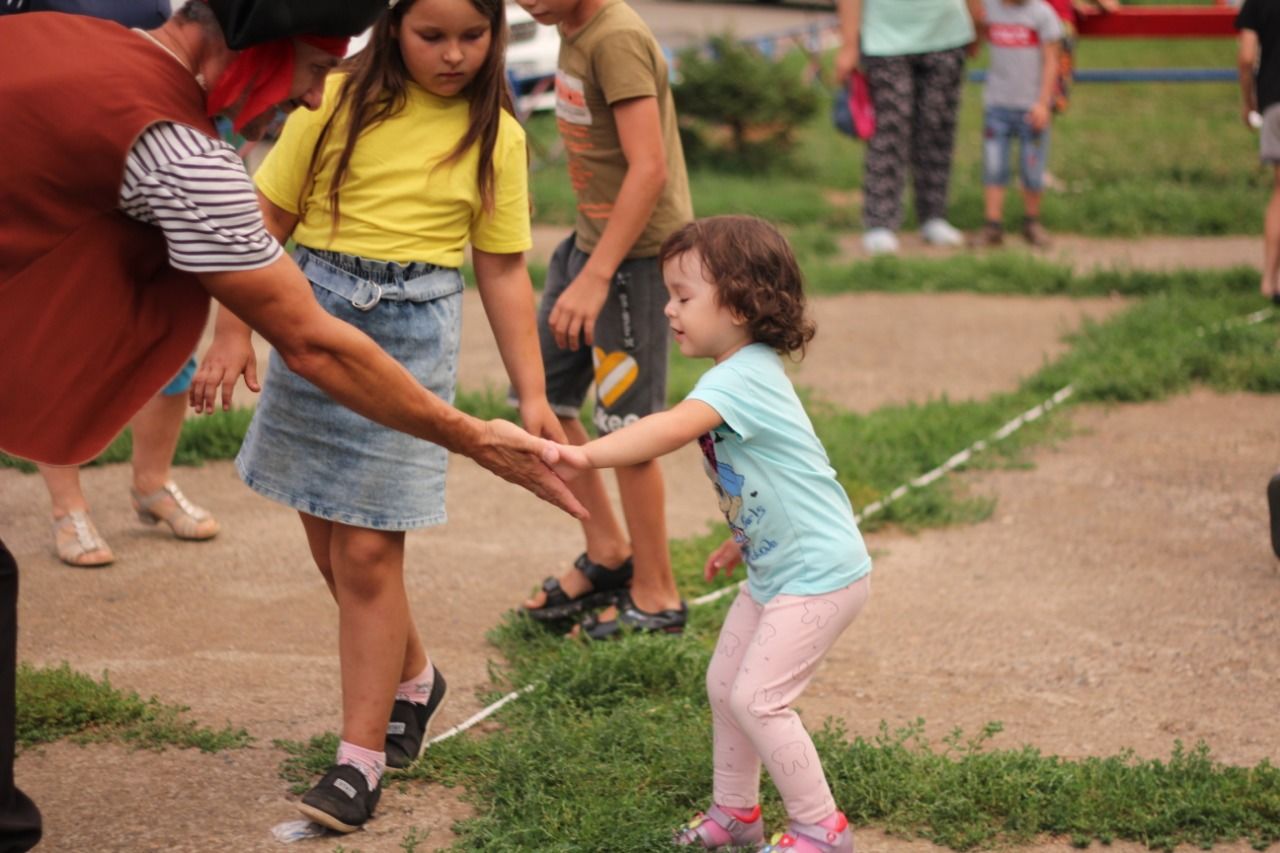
(739, 107)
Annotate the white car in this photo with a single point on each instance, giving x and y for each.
(532, 53)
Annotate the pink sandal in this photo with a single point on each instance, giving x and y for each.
(719, 830)
(813, 838)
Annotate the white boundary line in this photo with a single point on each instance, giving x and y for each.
(481, 714)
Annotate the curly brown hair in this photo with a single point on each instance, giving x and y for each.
(755, 275)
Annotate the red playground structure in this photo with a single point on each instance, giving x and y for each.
(1161, 22)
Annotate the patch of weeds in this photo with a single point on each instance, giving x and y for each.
(57, 702)
(411, 840)
(964, 795)
(620, 770)
(305, 762)
(1016, 273)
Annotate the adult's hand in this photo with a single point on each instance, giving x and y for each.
(516, 456)
(847, 60)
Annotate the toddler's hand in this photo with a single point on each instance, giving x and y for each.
(725, 558)
(567, 460)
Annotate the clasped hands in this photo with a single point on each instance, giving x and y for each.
(568, 461)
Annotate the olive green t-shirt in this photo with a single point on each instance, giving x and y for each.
(614, 58)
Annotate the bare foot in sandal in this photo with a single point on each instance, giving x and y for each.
(588, 584)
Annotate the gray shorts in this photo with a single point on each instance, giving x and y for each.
(628, 362)
(1269, 142)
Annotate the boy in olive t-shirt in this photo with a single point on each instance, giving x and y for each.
(601, 318)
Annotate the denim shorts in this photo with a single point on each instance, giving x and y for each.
(628, 362)
(1000, 125)
(308, 452)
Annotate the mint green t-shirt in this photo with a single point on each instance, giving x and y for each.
(776, 487)
(902, 27)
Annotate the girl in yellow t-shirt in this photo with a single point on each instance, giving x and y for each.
(412, 154)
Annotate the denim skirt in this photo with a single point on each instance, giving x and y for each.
(319, 457)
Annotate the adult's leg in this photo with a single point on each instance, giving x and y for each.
(156, 429)
(76, 540)
(65, 493)
(20, 827)
(884, 168)
(1271, 241)
(794, 634)
(936, 80)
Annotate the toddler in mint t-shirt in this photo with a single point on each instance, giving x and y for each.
(735, 296)
(789, 516)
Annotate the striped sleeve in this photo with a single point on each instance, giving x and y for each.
(196, 190)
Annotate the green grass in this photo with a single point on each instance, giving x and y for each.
(57, 702)
(1016, 273)
(216, 436)
(611, 752)
(1136, 159)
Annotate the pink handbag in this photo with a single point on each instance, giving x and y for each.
(852, 112)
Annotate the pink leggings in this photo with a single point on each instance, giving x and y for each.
(764, 659)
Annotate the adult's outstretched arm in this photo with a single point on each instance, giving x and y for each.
(276, 300)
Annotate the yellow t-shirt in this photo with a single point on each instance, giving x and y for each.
(394, 206)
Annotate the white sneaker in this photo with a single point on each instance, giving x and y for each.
(940, 232)
(880, 241)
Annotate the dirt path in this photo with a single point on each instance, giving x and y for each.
(1123, 595)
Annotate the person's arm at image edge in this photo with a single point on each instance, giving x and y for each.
(1246, 62)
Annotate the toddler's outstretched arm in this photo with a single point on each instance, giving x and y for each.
(648, 438)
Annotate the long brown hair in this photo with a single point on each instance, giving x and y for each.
(376, 88)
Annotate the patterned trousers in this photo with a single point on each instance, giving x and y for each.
(916, 98)
(764, 659)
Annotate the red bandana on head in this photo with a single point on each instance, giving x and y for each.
(265, 71)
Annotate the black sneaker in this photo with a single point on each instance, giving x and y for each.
(409, 720)
(341, 800)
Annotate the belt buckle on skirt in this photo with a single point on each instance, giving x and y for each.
(371, 287)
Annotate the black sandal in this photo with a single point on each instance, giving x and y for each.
(630, 616)
(605, 586)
